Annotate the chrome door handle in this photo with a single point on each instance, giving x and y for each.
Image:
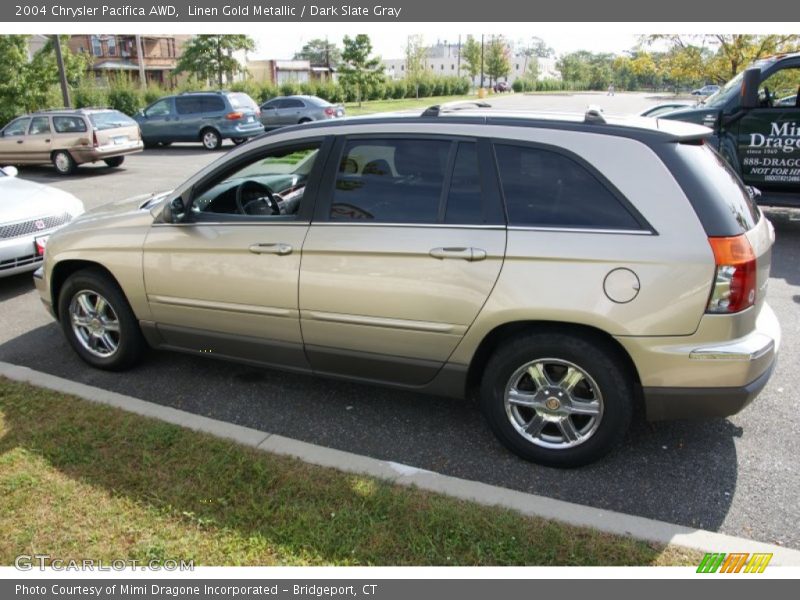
(470, 254)
(279, 249)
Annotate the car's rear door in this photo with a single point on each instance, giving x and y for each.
(406, 245)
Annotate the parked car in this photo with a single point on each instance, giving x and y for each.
(706, 90)
(663, 108)
(502, 86)
(29, 213)
(563, 269)
(69, 137)
(205, 117)
(291, 110)
(788, 101)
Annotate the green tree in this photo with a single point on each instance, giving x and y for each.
(471, 53)
(359, 70)
(42, 72)
(320, 53)
(210, 57)
(498, 63)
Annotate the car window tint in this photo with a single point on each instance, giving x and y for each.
(395, 181)
(271, 104)
(187, 105)
(271, 185)
(293, 103)
(549, 189)
(213, 104)
(464, 200)
(18, 127)
(39, 125)
(69, 124)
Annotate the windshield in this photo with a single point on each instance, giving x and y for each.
(730, 89)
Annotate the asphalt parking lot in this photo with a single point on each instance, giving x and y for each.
(735, 475)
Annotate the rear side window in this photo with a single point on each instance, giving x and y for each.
(548, 189)
(391, 181)
(292, 103)
(69, 124)
(189, 105)
(110, 120)
(464, 198)
(212, 104)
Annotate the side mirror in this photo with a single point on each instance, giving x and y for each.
(750, 82)
(140, 113)
(175, 211)
(10, 171)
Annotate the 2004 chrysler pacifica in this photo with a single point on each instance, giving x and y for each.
(563, 268)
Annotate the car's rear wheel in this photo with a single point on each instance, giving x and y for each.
(114, 162)
(63, 162)
(557, 399)
(304, 120)
(98, 321)
(238, 141)
(211, 139)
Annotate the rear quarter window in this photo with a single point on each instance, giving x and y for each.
(544, 188)
(69, 124)
(241, 101)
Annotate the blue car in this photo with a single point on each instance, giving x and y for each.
(205, 117)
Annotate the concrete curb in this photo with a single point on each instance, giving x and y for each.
(607, 521)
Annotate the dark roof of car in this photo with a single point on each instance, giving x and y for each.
(642, 128)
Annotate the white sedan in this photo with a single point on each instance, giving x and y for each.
(29, 213)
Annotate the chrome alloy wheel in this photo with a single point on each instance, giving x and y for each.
(95, 324)
(553, 403)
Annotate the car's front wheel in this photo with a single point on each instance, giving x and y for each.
(560, 400)
(63, 162)
(115, 161)
(98, 321)
(211, 139)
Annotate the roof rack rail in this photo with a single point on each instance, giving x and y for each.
(205, 92)
(437, 109)
(65, 108)
(594, 114)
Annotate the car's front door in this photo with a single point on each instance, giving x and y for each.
(405, 247)
(38, 141)
(769, 136)
(158, 121)
(225, 281)
(12, 142)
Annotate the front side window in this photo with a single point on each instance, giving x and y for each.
(270, 186)
(159, 109)
(391, 180)
(17, 127)
(543, 188)
(780, 90)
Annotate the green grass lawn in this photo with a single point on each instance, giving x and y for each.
(376, 106)
(84, 480)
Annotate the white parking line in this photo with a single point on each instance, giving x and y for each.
(532, 505)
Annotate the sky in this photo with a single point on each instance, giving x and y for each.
(390, 42)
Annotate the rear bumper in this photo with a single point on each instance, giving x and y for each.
(666, 404)
(93, 154)
(241, 130)
(709, 374)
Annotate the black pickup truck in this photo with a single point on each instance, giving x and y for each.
(756, 122)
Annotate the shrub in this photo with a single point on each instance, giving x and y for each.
(267, 91)
(124, 96)
(290, 88)
(89, 95)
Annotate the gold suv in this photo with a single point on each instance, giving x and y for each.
(68, 138)
(561, 269)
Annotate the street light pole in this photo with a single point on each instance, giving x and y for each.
(481, 61)
(62, 75)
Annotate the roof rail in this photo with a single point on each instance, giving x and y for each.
(67, 108)
(205, 92)
(437, 109)
(594, 114)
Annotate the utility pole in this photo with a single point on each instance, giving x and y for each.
(62, 75)
(458, 69)
(481, 61)
(140, 60)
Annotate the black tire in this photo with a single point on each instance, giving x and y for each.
(165, 144)
(210, 138)
(238, 141)
(150, 144)
(304, 120)
(63, 162)
(130, 344)
(114, 162)
(609, 384)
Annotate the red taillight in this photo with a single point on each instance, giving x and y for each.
(95, 143)
(330, 111)
(735, 279)
(234, 116)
